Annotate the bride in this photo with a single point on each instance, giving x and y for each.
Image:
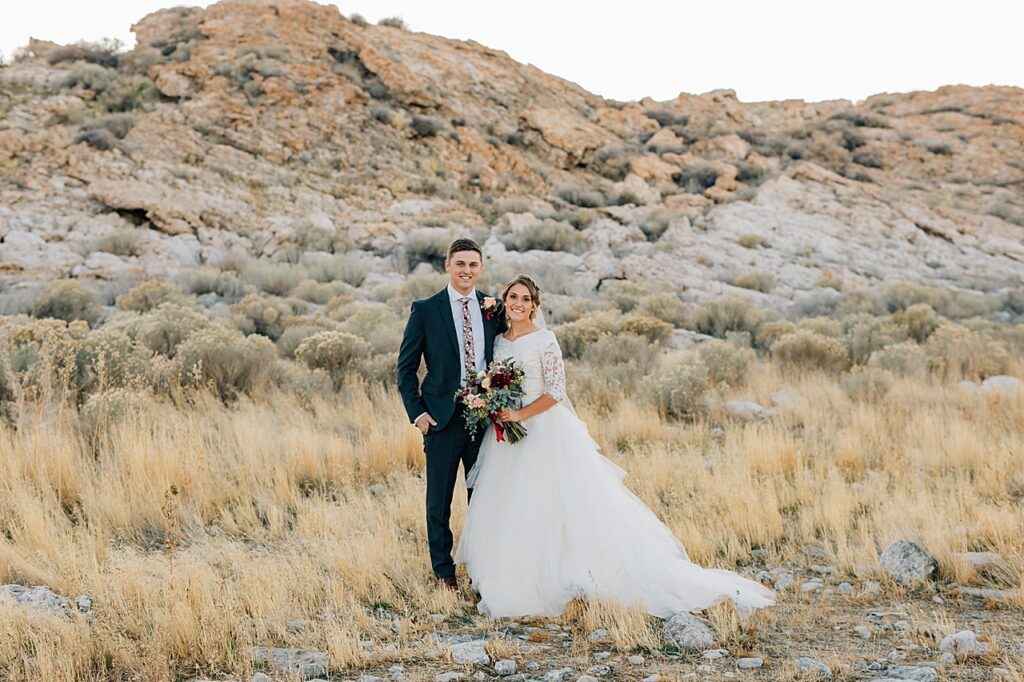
(551, 519)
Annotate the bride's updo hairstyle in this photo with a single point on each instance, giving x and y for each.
(531, 286)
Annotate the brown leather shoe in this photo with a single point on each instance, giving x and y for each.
(450, 582)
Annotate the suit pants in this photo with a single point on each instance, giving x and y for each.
(445, 449)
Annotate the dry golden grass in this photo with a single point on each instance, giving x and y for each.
(201, 531)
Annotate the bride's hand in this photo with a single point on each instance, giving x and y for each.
(509, 416)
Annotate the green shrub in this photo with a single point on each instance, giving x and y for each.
(274, 278)
(679, 392)
(104, 53)
(149, 295)
(658, 220)
(867, 384)
(427, 126)
(110, 358)
(624, 294)
(393, 22)
(757, 281)
(428, 244)
(825, 326)
(752, 241)
(770, 332)
(726, 363)
(575, 338)
(654, 330)
(68, 300)
(906, 359)
(919, 320)
(829, 279)
(865, 334)
(897, 296)
(664, 306)
(579, 196)
(335, 353)
(697, 177)
(726, 314)
(227, 285)
(350, 268)
(1013, 301)
(226, 361)
(163, 328)
(956, 352)
(804, 349)
(292, 337)
(259, 314)
(547, 235)
(124, 242)
(377, 325)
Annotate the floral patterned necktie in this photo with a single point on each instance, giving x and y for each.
(468, 354)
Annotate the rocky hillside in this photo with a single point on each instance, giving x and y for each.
(286, 131)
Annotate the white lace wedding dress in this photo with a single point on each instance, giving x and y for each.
(551, 520)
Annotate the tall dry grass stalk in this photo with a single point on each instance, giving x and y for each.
(201, 531)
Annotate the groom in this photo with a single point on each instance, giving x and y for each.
(451, 331)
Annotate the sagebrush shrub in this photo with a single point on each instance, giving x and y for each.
(226, 361)
(227, 285)
(124, 242)
(655, 331)
(726, 314)
(275, 278)
(149, 295)
(919, 320)
(770, 332)
(547, 235)
(260, 314)
(292, 337)
(867, 384)
(756, 281)
(624, 294)
(335, 353)
(956, 352)
(804, 349)
(679, 392)
(68, 300)
(579, 196)
(726, 363)
(864, 334)
(350, 268)
(165, 327)
(110, 358)
(377, 325)
(906, 359)
(575, 337)
(664, 306)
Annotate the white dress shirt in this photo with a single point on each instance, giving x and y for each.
(477, 319)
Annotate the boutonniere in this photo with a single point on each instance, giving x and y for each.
(489, 306)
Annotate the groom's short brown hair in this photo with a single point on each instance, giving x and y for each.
(463, 244)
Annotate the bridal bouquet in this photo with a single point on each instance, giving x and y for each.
(490, 391)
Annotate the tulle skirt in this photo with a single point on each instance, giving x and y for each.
(551, 520)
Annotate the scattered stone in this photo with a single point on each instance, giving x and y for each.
(987, 592)
(963, 643)
(810, 667)
(811, 586)
(38, 598)
(599, 636)
(480, 676)
(845, 588)
(906, 563)
(505, 667)
(371, 678)
(636, 660)
(749, 663)
(376, 489)
(298, 625)
(747, 410)
(938, 600)
(599, 670)
(306, 663)
(1003, 385)
(449, 677)
(991, 567)
(557, 675)
(717, 432)
(533, 665)
(715, 654)
(687, 632)
(784, 581)
(602, 655)
(83, 603)
(586, 678)
(785, 396)
(912, 672)
(652, 678)
(863, 630)
(261, 677)
(471, 653)
(396, 672)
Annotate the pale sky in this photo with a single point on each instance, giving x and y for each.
(812, 50)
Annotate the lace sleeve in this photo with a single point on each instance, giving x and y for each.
(554, 369)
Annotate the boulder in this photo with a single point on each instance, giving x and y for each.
(687, 632)
(906, 563)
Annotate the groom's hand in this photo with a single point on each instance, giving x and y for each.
(424, 423)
